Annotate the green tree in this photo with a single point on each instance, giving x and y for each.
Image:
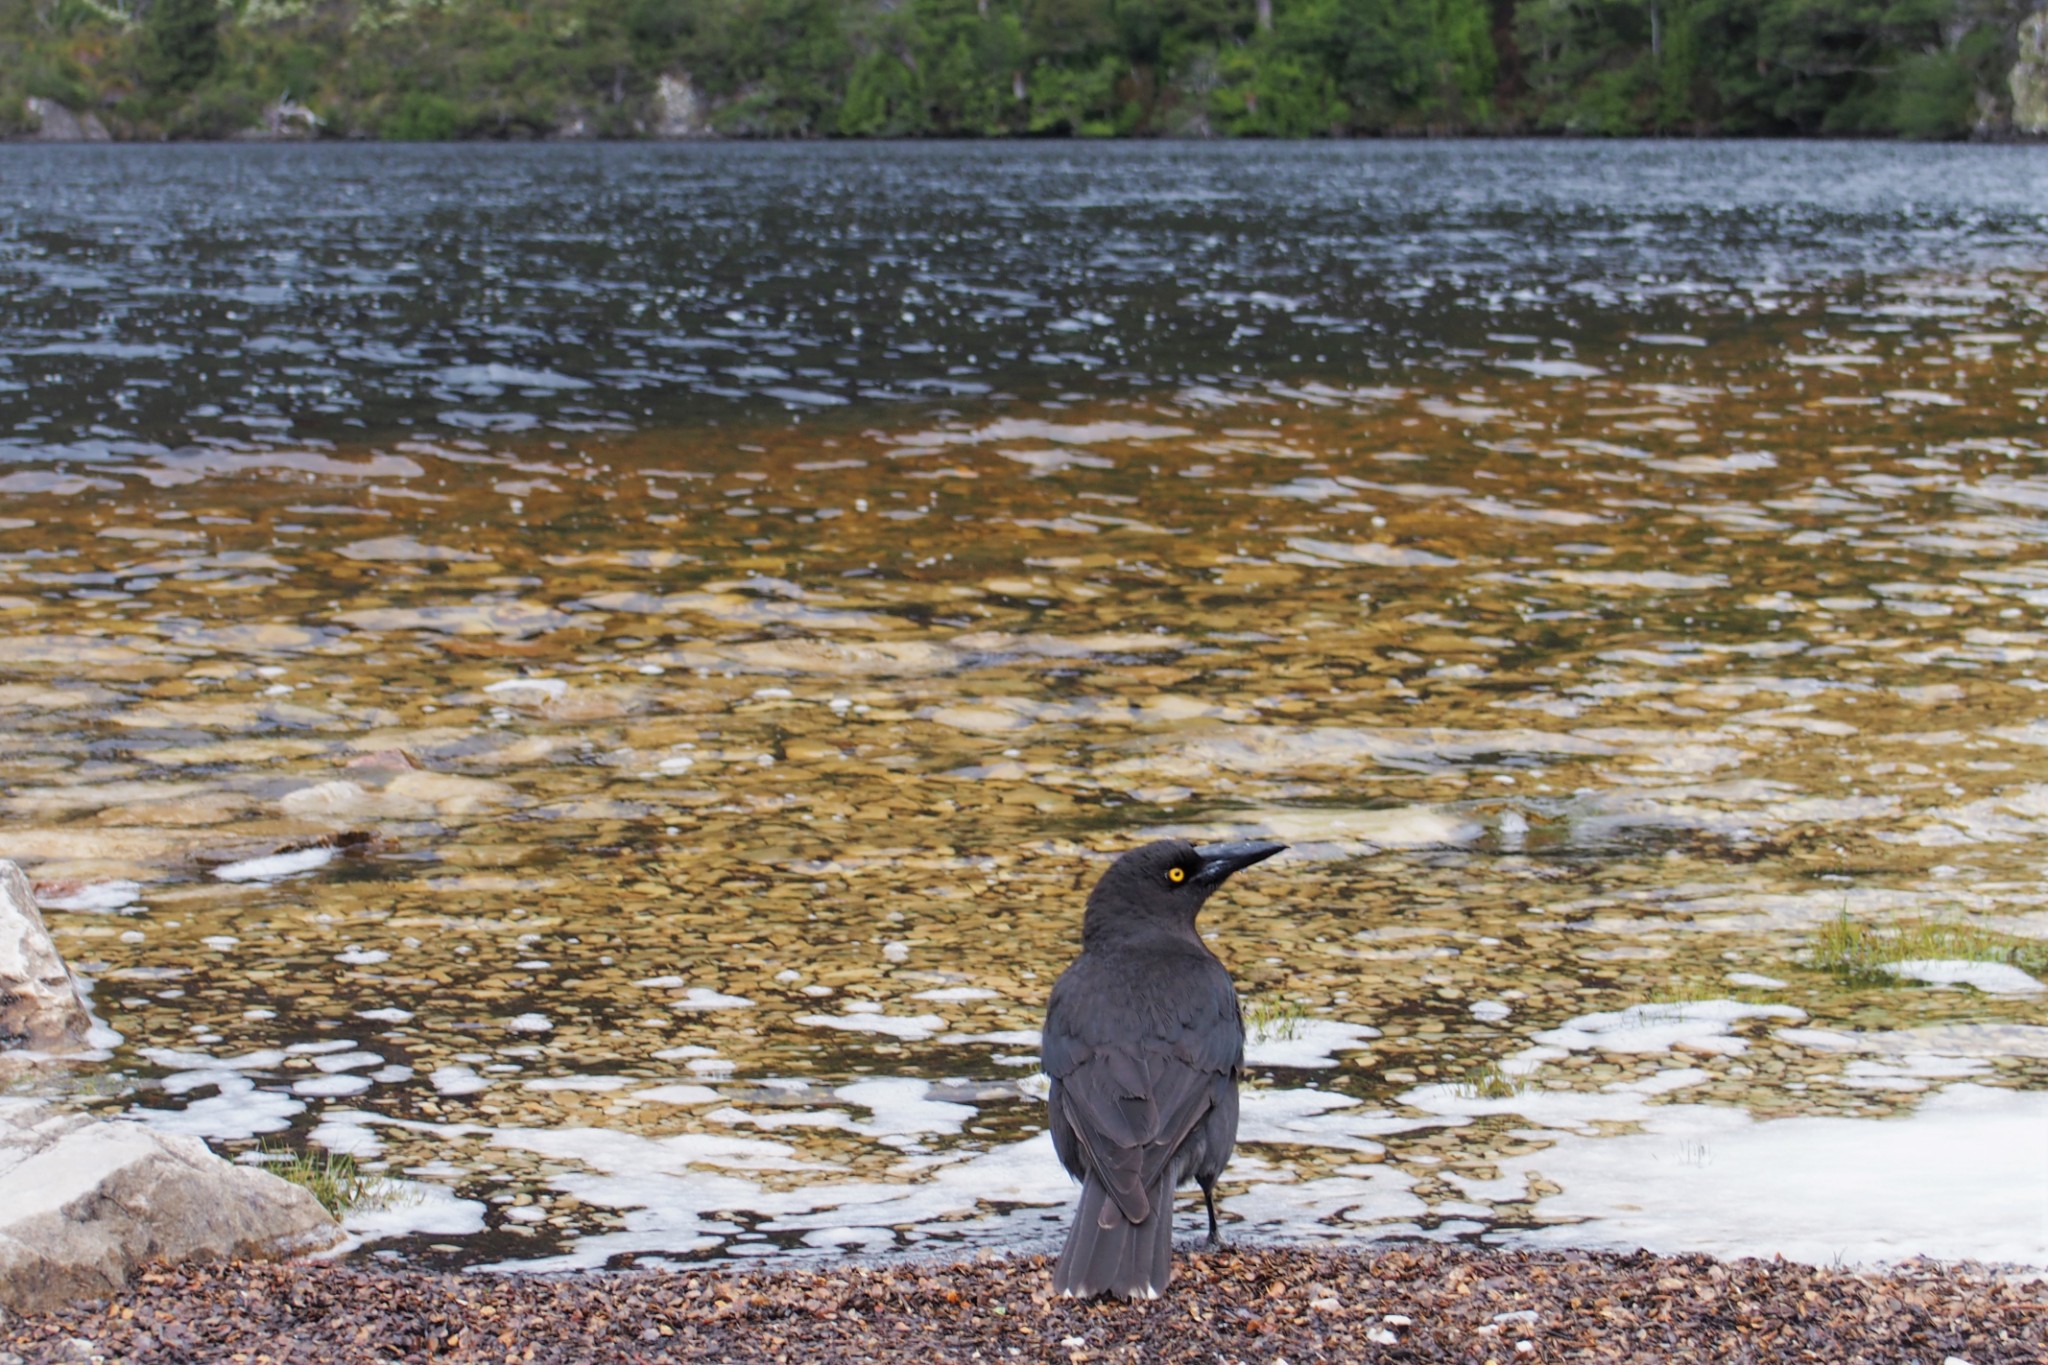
(884, 99)
(182, 43)
(1396, 64)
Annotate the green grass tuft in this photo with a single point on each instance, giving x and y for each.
(1274, 1021)
(333, 1178)
(1859, 953)
(1489, 1082)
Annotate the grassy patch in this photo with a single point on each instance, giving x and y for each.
(333, 1178)
(1860, 953)
(1273, 1021)
(1489, 1082)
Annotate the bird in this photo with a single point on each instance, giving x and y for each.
(1143, 1044)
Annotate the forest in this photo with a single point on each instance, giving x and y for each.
(453, 69)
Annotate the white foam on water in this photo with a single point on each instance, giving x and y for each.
(321, 1048)
(172, 1059)
(1911, 1072)
(237, 1111)
(1697, 1026)
(1306, 1117)
(348, 1132)
(676, 1094)
(604, 1149)
(1361, 1195)
(671, 1203)
(1017, 1037)
(271, 867)
(97, 898)
(1574, 1110)
(775, 1120)
(408, 1208)
(704, 998)
(588, 1084)
(1940, 1040)
(1332, 833)
(901, 1106)
(457, 1080)
(1960, 1178)
(913, 1028)
(1313, 1043)
(1993, 978)
(867, 1239)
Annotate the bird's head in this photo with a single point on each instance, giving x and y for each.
(1165, 883)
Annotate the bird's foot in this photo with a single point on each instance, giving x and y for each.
(1215, 1243)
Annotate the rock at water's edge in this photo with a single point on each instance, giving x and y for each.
(679, 110)
(55, 123)
(84, 1202)
(2029, 79)
(40, 1007)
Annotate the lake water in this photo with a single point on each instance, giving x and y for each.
(596, 679)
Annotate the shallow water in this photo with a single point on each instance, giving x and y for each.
(600, 684)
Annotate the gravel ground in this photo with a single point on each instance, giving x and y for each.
(1406, 1303)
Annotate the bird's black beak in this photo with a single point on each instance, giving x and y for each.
(1220, 860)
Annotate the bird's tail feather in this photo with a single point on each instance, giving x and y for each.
(1108, 1254)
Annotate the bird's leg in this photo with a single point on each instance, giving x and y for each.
(1209, 1199)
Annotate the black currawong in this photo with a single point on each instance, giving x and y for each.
(1144, 1043)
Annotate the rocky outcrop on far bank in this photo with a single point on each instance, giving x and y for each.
(2029, 78)
(50, 121)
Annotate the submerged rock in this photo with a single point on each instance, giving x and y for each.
(83, 1203)
(40, 1007)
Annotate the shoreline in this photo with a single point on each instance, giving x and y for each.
(1418, 1302)
(258, 138)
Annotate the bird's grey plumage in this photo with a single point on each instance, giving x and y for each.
(1144, 1043)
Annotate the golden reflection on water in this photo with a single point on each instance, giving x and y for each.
(767, 761)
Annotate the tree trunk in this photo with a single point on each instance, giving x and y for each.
(1265, 15)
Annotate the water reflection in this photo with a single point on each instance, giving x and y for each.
(658, 842)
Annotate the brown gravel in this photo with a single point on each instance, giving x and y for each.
(1263, 1305)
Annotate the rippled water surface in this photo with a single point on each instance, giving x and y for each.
(596, 679)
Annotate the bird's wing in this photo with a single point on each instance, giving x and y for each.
(1133, 1083)
(1131, 1109)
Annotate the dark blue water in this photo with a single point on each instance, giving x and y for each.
(155, 296)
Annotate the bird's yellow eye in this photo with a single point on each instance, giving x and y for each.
(1176, 874)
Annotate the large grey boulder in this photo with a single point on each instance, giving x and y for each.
(84, 1202)
(40, 1008)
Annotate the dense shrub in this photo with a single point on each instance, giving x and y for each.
(909, 68)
